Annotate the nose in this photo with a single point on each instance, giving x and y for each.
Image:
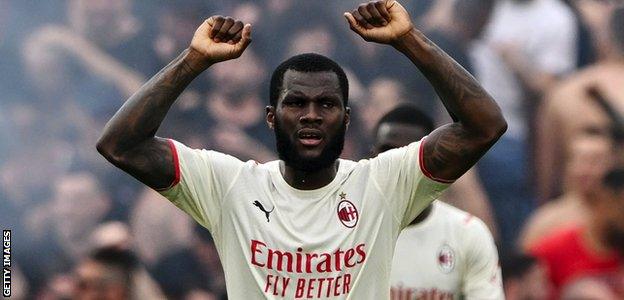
(311, 114)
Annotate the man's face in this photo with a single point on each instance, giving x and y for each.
(310, 120)
(78, 205)
(590, 159)
(395, 135)
(96, 281)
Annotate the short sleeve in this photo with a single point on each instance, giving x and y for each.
(203, 178)
(482, 277)
(408, 187)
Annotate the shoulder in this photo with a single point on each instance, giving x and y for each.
(465, 225)
(456, 216)
(396, 155)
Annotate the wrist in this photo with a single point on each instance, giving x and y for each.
(195, 60)
(411, 37)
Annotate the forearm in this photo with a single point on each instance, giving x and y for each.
(460, 93)
(139, 118)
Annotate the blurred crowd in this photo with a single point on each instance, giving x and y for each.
(82, 227)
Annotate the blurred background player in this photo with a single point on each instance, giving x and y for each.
(445, 253)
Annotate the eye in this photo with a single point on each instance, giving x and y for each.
(292, 102)
(328, 104)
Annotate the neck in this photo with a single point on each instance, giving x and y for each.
(423, 215)
(302, 180)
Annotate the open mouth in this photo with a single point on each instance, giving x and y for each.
(310, 138)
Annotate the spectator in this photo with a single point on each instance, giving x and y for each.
(595, 248)
(591, 157)
(192, 270)
(568, 111)
(88, 56)
(157, 228)
(113, 274)
(61, 229)
(527, 44)
(594, 19)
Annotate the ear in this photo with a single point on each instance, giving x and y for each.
(347, 116)
(270, 116)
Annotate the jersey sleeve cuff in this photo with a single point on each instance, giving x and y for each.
(176, 166)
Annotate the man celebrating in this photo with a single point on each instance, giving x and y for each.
(308, 225)
(457, 258)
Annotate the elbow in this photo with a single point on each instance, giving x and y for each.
(501, 127)
(494, 130)
(106, 149)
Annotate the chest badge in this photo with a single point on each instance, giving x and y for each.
(347, 212)
(446, 259)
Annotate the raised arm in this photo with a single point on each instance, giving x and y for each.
(129, 140)
(478, 123)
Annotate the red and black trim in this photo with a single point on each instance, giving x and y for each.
(176, 166)
(423, 169)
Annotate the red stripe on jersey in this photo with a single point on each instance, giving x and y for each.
(176, 166)
(421, 162)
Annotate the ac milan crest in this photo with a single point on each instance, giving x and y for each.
(347, 212)
(446, 258)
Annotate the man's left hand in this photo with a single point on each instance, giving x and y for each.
(383, 21)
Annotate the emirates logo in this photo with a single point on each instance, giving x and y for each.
(347, 212)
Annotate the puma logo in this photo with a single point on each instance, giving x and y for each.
(266, 212)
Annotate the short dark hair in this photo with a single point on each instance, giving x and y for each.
(408, 114)
(617, 27)
(307, 62)
(123, 260)
(203, 234)
(614, 180)
(515, 265)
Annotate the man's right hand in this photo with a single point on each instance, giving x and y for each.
(221, 38)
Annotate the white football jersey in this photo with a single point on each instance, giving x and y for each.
(449, 255)
(275, 241)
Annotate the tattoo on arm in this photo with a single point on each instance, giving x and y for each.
(453, 149)
(129, 140)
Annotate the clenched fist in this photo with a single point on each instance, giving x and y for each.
(221, 38)
(383, 21)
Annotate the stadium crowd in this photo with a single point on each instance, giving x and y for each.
(555, 67)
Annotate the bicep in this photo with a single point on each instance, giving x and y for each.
(153, 162)
(451, 150)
